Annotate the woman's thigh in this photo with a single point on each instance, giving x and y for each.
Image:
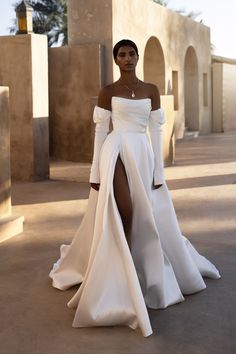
(122, 193)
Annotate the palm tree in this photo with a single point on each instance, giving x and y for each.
(50, 18)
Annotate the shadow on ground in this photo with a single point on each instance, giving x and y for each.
(34, 316)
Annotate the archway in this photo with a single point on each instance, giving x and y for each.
(191, 94)
(154, 64)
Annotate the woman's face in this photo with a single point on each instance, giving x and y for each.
(127, 58)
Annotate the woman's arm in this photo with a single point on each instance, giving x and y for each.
(155, 121)
(101, 118)
(155, 97)
(104, 97)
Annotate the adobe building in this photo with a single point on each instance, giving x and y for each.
(174, 51)
(174, 54)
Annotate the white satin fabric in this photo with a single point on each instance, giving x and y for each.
(116, 286)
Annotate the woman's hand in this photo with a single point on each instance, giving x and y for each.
(95, 186)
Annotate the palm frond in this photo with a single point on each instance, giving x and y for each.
(50, 18)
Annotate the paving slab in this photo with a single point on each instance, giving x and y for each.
(34, 316)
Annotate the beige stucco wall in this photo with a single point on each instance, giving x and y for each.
(90, 21)
(5, 169)
(74, 79)
(224, 103)
(229, 97)
(23, 67)
(10, 225)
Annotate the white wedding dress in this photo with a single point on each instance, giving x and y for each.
(117, 286)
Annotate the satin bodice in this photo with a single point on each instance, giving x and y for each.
(130, 115)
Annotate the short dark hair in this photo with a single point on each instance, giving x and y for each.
(124, 43)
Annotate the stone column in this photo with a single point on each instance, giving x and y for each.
(24, 69)
(9, 225)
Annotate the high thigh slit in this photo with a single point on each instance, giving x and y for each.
(123, 199)
(118, 284)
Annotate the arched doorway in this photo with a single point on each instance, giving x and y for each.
(154, 64)
(191, 98)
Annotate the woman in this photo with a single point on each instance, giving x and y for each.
(128, 252)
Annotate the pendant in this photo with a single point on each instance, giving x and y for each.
(133, 94)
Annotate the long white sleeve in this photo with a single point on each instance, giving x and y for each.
(101, 118)
(156, 120)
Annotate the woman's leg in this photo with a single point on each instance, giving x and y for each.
(123, 199)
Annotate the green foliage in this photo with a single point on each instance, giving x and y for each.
(161, 2)
(50, 18)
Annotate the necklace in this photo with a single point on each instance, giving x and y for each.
(132, 91)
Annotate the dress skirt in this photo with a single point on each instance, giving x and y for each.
(117, 285)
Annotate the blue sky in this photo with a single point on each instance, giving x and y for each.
(219, 15)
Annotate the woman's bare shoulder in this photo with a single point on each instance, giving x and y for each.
(105, 95)
(154, 94)
(152, 88)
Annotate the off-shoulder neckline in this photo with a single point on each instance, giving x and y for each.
(124, 98)
(132, 99)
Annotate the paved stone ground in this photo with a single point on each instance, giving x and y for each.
(34, 317)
